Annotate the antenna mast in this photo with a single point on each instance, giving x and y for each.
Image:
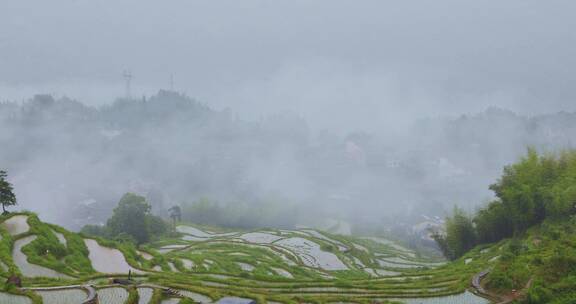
(128, 77)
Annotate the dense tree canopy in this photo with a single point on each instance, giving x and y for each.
(130, 220)
(460, 235)
(171, 145)
(130, 217)
(529, 191)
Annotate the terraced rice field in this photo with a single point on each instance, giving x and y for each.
(68, 296)
(195, 296)
(28, 269)
(112, 295)
(60, 238)
(6, 298)
(16, 225)
(145, 294)
(465, 297)
(279, 266)
(234, 300)
(311, 254)
(107, 260)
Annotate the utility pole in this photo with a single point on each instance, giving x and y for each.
(172, 82)
(128, 77)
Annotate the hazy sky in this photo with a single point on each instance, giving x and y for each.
(338, 63)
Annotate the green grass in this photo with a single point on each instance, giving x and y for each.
(546, 254)
(132, 296)
(46, 250)
(6, 245)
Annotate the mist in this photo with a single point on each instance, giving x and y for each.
(368, 112)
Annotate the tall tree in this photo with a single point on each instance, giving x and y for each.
(460, 235)
(130, 217)
(131, 221)
(7, 197)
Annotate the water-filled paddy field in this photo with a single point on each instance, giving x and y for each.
(279, 266)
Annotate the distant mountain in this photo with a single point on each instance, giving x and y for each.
(173, 148)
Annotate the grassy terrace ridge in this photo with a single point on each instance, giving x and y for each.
(286, 266)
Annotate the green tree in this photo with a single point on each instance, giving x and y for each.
(440, 239)
(7, 197)
(129, 217)
(156, 225)
(524, 189)
(460, 234)
(493, 223)
(131, 221)
(529, 191)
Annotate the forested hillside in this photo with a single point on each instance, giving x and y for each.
(533, 221)
(175, 150)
